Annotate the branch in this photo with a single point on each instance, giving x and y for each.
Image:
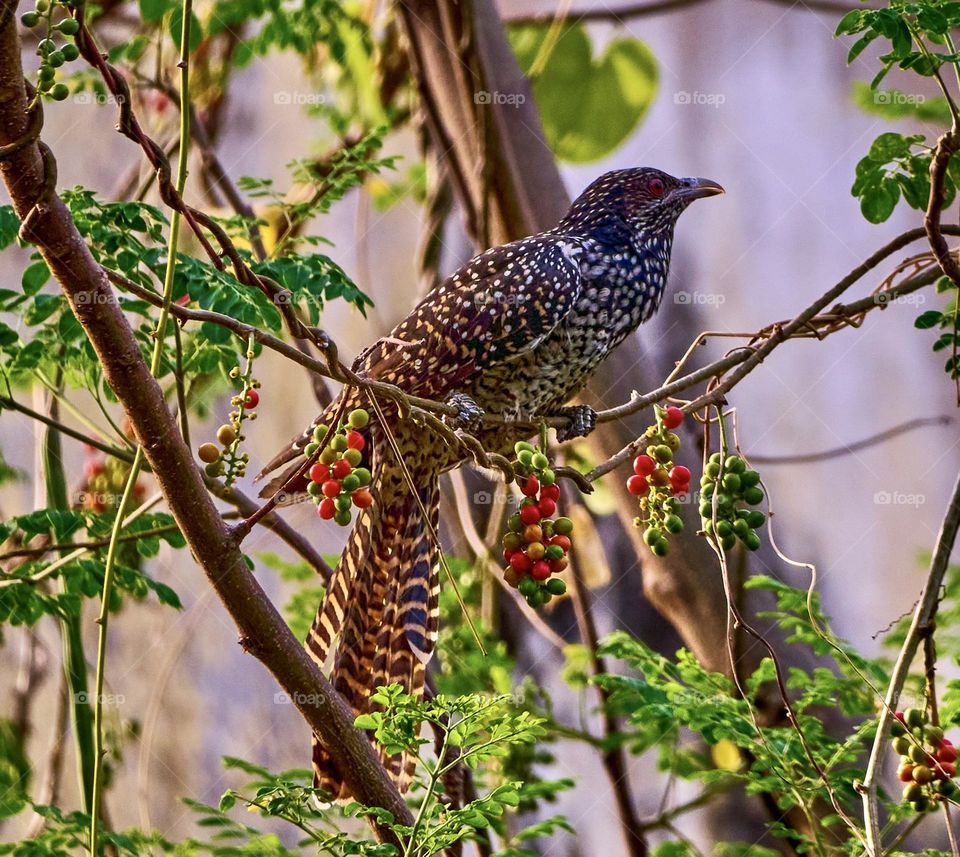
(27, 168)
(923, 619)
(849, 448)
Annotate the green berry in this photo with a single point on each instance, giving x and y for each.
(313, 489)
(728, 543)
(724, 529)
(527, 586)
(914, 717)
(563, 526)
(522, 446)
(555, 586)
(912, 792)
(342, 517)
(69, 26)
(215, 469)
(328, 456)
(731, 483)
(540, 461)
(343, 503)
(46, 72)
(358, 418)
(354, 456)
(338, 443)
(319, 433)
(741, 528)
(515, 525)
(752, 541)
(547, 476)
(753, 496)
(29, 19)
(901, 745)
(56, 59)
(663, 453)
(712, 470)
(756, 519)
(362, 474)
(651, 536)
(749, 478)
(660, 548)
(735, 464)
(672, 440)
(708, 490)
(350, 483)
(525, 457)
(673, 523)
(933, 734)
(554, 552)
(917, 754)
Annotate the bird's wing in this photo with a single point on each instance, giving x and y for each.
(499, 305)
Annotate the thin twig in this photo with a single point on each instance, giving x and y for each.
(923, 616)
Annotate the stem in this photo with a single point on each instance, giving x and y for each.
(435, 775)
(74, 661)
(923, 616)
(160, 335)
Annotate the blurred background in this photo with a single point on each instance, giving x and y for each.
(756, 95)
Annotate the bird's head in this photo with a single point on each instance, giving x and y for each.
(646, 201)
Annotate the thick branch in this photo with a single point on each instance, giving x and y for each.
(47, 223)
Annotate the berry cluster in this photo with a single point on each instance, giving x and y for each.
(226, 459)
(659, 483)
(336, 479)
(52, 55)
(735, 487)
(928, 761)
(536, 545)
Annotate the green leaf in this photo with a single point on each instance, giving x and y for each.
(588, 105)
(878, 203)
(34, 277)
(153, 10)
(928, 319)
(176, 27)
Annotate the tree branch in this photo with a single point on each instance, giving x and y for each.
(27, 168)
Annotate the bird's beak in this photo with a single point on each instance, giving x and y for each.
(691, 189)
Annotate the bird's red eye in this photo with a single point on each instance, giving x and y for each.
(657, 187)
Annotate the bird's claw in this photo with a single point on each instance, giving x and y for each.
(469, 413)
(582, 420)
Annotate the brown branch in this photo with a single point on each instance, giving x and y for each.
(850, 448)
(27, 172)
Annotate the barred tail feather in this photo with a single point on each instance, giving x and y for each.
(383, 604)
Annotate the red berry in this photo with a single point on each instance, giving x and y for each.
(905, 773)
(946, 753)
(672, 417)
(547, 507)
(251, 398)
(319, 473)
(677, 490)
(558, 565)
(947, 768)
(355, 440)
(680, 475)
(330, 488)
(550, 492)
(327, 509)
(899, 716)
(637, 486)
(530, 514)
(563, 541)
(530, 487)
(541, 569)
(362, 498)
(520, 563)
(508, 553)
(93, 468)
(644, 465)
(341, 468)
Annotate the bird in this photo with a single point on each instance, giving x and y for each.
(516, 332)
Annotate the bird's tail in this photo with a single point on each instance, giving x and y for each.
(381, 607)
